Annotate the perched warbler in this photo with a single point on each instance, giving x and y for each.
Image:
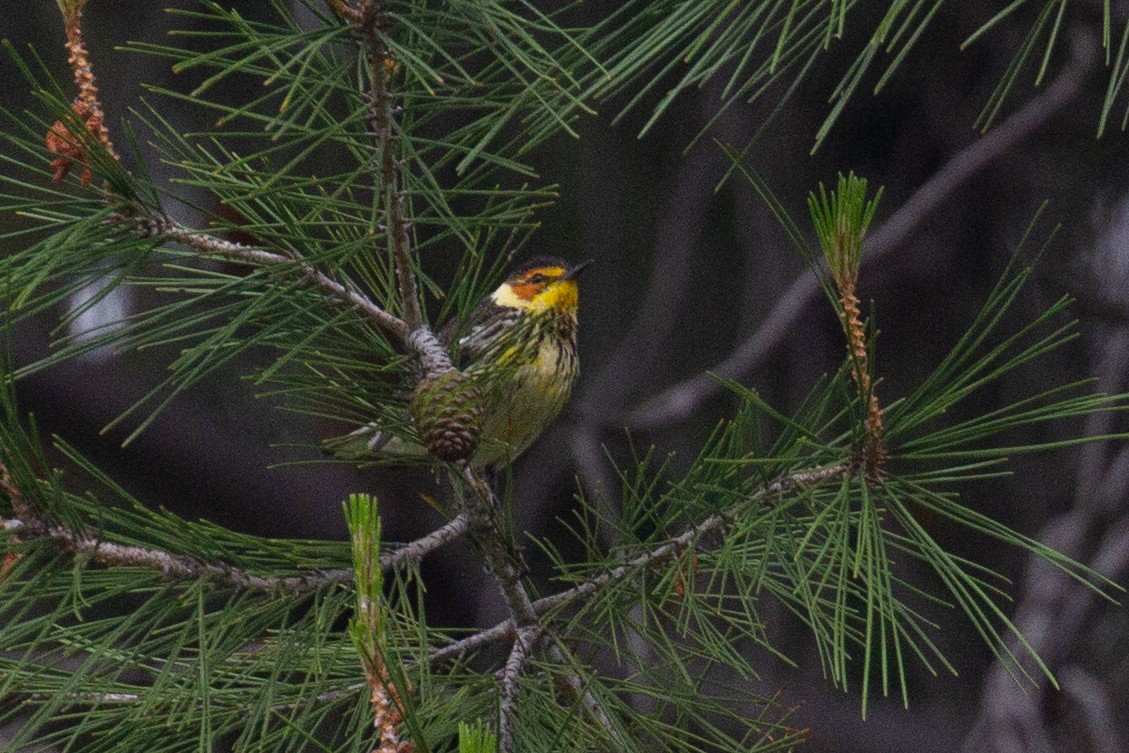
(518, 351)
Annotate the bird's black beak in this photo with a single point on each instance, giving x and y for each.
(575, 271)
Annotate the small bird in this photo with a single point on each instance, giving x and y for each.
(519, 347)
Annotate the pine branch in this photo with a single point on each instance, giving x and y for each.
(148, 225)
(381, 68)
(673, 548)
(510, 581)
(29, 525)
(507, 707)
(666, 551)
(416, 550)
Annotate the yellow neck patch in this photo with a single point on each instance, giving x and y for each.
(556, 295)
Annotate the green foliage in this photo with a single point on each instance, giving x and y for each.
(477, 738)
(756, 50)
(101, 655)
(841, 220)
(367, 627)
(833, 553)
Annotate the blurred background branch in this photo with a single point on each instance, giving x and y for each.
(688, 265)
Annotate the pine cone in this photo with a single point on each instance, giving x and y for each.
(447, 409)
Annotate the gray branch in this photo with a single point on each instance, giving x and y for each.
(207, 245)
(179, 566)
(507, 707)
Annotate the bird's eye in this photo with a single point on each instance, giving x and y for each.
(536, 279)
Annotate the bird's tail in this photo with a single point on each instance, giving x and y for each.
(370, 442)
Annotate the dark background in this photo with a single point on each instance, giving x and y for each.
(684, 279)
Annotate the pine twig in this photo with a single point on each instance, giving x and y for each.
(170, 565)
(416, 550)
(458, 649)
(510, 581)
(61, 140)
(29, 525)
(369, 23)
(163, 226)
(368, 626)
(85, 699)
(507, 707)
(668, 550)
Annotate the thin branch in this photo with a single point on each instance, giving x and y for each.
(28, 525)
(507, 707)
(169, 565)
(206, 245)
(416, 550)
(668, 550)
(673, 548)
(679, 402)
(87, 699)
(458, 649)
(510, 580)
(481, 505)
(369, 24)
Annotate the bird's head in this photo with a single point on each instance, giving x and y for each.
(541, 284)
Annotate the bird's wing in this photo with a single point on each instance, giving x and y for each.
(478, 332)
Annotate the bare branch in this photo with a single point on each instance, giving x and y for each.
(416, 550)
(507, 707)
(88, 699)
(29, 526)
(458, 649)
(677, 403)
